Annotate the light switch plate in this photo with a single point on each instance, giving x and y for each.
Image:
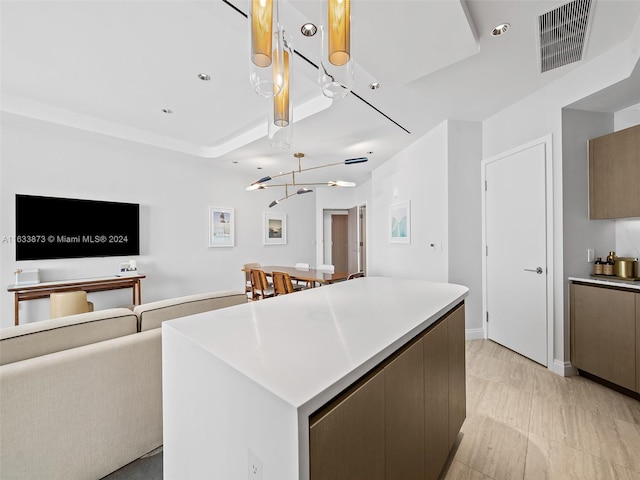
(591, 254)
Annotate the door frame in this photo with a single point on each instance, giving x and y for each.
(547, 142)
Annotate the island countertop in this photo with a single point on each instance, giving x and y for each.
(300, 345)
(240, 383)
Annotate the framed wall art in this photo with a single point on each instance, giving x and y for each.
(400, 222)
(275, 229)
(221, 227)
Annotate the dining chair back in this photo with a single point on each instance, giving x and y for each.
(247, 277)
(282, 283)
(326, 268)
(260, 285)
(355, 275)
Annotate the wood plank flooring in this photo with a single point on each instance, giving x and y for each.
(524, 422)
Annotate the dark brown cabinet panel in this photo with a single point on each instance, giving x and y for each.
(614, 174)
(603, 328)
(457, 380)
(638, 342)
(404, 415)
(348, 442)
(400, 421)
(436, 392)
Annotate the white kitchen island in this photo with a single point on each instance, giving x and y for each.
(240, 383)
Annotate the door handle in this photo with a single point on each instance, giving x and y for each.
(537, 270)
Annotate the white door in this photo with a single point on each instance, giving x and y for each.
(516, 252)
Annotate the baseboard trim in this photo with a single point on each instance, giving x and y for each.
(564, 369)
(474, 333)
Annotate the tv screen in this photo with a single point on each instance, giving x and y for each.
(51, 227)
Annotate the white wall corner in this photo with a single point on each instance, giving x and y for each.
(474, 334)
(562, 368)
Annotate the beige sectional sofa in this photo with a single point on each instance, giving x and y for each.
(81, 396)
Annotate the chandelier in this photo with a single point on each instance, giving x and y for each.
(289, 187)
(271, 61)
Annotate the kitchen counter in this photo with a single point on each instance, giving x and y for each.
(607, 282)
(243, 380)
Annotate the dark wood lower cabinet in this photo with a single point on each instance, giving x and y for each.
(400, 421)
(436, 391)
(457, 375)
(638, 342)
(603, 333)
(348, 442)
(404, 415)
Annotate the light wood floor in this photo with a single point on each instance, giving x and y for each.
(524, 422)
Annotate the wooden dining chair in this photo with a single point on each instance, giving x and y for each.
(248, 288)
(282, 283)
(260, 285)
(355, 275)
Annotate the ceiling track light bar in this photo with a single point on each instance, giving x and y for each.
(298, 54)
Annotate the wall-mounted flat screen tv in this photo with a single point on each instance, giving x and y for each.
(51, 227)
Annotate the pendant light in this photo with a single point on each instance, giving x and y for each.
(262, 183)
(335, 74)
(281, 112)
(263, 23)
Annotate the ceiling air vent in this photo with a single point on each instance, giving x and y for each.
(563, 34)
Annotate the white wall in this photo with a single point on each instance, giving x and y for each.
(417, 174)
(581, 233)
(174, 192)
(540, 114)
(465, 217)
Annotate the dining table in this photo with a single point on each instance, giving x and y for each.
(311, 276)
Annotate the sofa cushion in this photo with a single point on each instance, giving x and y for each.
(49, 336)
(151, 315)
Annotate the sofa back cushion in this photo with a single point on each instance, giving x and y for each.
(151, 315)
(49, 336)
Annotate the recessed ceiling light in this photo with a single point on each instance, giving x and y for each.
(369, 153)
(234, 161)
(500, 29)
(204, 77)
(308, 29)
(167, 110)
(374, 85)
(259, 168)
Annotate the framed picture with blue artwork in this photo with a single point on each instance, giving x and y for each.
(400, 222)
(221, 227)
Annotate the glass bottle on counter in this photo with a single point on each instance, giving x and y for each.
(598, 266)
(607, 268)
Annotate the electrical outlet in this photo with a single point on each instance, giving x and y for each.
(255, 467)
(591, 255)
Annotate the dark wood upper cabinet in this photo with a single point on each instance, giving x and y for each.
(614, 175)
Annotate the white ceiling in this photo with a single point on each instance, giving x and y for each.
(111, 67)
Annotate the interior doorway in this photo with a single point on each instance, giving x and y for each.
(517, 262)
(344, 238)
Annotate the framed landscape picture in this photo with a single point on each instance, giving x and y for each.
(275, 229)
(221, 227)
(400, 222)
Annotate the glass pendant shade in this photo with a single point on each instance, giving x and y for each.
(261, 32)
(339, 31)
(336, 81)
(281, 111)
(281, 100)
(262, 25)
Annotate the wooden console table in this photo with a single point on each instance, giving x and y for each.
(97, 284)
